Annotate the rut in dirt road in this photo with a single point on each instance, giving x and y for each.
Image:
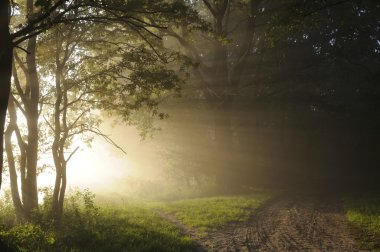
(286, 224)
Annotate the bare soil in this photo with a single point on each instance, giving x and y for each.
(303, 223)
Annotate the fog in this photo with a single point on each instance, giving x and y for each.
(189, 125)
(271, 148)
(266, 100)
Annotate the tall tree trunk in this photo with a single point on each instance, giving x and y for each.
(30, 97)
(30, 190)
(57, 210)
(62, 148)
(5, 72)
(63, 189)
(57, 150)
(59, 146)
(12, 127)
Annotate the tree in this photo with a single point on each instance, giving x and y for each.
(127, 74)
(29, 105)
(105, 79)
(50, 13)
(285, 60)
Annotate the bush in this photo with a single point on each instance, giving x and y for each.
(27, 237)
(7, 211)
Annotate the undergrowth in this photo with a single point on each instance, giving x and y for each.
(86, 227)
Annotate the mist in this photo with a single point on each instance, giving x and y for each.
(210, 125)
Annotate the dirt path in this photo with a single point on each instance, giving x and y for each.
(283, 224)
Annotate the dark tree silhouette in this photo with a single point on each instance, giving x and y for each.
(5, 71)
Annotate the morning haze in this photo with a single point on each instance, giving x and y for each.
(203, 125)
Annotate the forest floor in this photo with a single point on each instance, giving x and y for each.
(283, 223)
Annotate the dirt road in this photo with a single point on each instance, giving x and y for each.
(304, 223)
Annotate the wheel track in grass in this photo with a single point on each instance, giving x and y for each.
(284, 223)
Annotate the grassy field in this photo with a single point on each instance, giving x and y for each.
(87, 227)
(364, 215)
(132, 227)
(214, 212)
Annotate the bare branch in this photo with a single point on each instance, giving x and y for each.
(48, 123)
(71, 155)
(70, 127)
(18, 105)
(23, 49)
(97, 132)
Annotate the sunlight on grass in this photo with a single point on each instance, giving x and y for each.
(364, 215)
(135, 226)
(88, 227)
(139, 229)
(214, 212)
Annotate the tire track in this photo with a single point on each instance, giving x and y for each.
(303, 223)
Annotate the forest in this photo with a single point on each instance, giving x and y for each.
(189, 125)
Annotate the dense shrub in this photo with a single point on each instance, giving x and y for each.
(27, 237)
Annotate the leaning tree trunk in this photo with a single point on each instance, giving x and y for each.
(12, 128)
(5, 71)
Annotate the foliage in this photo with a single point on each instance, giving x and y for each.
(214, 212)
(7, 212)
(89, 55)
(364, 215)
(27, 237)
(86, 227)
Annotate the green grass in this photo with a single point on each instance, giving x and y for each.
(132, 227)
(364, 215)
(86, 227)
(214, 212)
(129, 229)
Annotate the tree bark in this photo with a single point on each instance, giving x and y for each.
(5, 72)
(12, 127)
(30, 190)
(59, 144)
(57, 138)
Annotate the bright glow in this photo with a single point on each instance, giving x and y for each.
(95, 168)
(102, 168)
